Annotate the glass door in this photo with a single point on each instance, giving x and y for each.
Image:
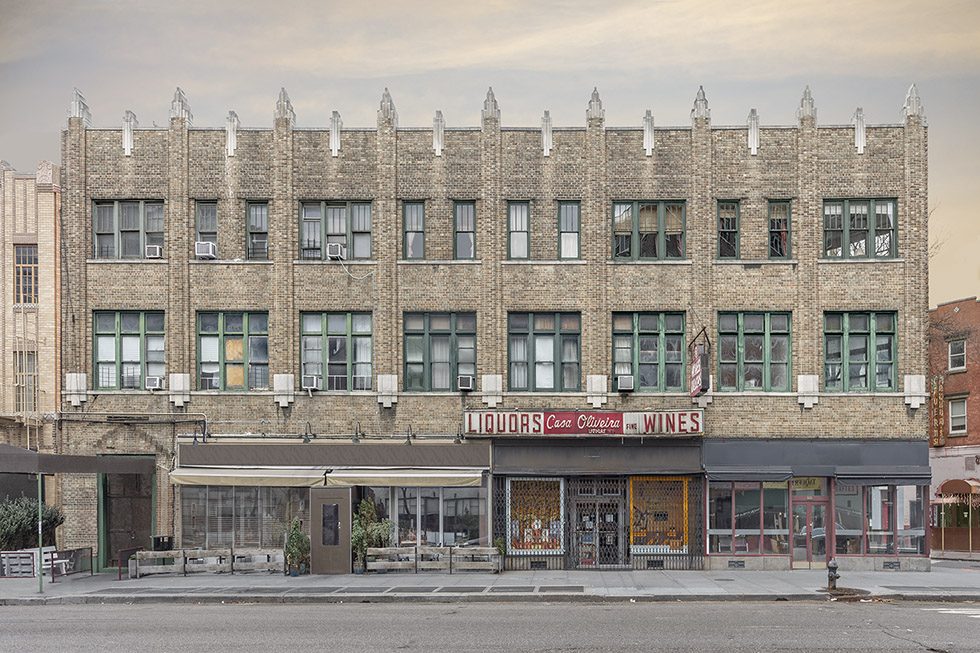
(810, 535)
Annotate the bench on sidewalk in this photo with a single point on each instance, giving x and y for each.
(146, 563)
(197, 561)
(214, 561)
(433, 558)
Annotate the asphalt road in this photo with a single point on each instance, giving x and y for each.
(716, 626)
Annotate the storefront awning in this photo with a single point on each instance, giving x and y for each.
(959, 486)
(408, 477)
(884, 475)
(249, 476)
(733, 473)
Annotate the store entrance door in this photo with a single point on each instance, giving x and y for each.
(810, 535)
(330, 550)
(599, 539)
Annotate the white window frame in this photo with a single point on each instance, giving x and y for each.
(949, 356)
(962, 401)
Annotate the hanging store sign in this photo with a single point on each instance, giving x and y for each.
(700, 379)
(548, 422)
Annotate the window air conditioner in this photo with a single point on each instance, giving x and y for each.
(205, 249)
(154, 383)
(153, 251)
(336, 252)
(464, 382)
(624, 383)
(311, 381)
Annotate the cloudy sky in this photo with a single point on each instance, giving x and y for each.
(547, 54)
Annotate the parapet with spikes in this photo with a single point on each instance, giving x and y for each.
(181, 108)
(79, 108)
(700, 109)
(386, 111)
(491, 110)
(595, 110)
(913, 103)
(438, 133)
(284, 108)
(807, 108)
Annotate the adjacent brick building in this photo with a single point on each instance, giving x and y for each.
(310, 306)
(954, 411)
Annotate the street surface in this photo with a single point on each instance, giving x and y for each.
(712, 626)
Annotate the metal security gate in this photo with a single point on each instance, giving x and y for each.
(599, 523)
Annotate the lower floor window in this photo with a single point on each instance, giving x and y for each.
(224, 516)
(748, 517)
(433, 516)
(536, 515)
(880, 519)
(658, 514)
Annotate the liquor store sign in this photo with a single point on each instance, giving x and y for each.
(558, 423)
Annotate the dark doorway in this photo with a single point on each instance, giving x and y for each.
(127, 510)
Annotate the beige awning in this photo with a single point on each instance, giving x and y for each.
(406, 477)
(249, 476)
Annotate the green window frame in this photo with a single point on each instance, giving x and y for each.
(544, 352)
(232, 350)
(653, 231)
(754, 351)
(257, 231)
(413, 221)
(518, 230)
(345, 223)
(123, 228)
(439, 347)
(729, 219)
(860, 351)
(860, 228)
(650, 347)
(780, 229)
(569, 230)
(340, 343)
(206, 222)
(464, 230)
(128, 347)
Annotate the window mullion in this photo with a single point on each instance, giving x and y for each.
(740, 381)
(661, 229)
(845, 350)
(118, 363)
(142, 384)
(661, 352)
(221, 350)
(766, 332)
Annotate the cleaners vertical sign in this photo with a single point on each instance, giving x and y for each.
(557, 423)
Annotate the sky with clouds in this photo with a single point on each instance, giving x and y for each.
(548, 54)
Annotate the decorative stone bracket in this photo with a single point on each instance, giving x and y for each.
(180, 389)
(76, 385)
(596, 386)
(705, 400)
(915, 390)
(807, 390)
(284, 389)
(492, 386)
(387, 389)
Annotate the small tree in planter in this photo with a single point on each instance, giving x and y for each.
(18, 523)
(367, 531)
(297, 549)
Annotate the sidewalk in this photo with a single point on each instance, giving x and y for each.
(941, 584)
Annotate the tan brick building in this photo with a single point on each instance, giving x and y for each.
(29, 274)
(315, 299)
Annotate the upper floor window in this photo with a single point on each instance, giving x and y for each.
(518, 230)
(344, 223)
(648, 230)
(439, 347)
(25, 274)
(25, 381)
(258, 231)
(754, 351)
(129, 347)
(464, 223)
(957, 416)
(339, 343)
(859, 228)
(543, 349)
(413, 214)
(957, 355)
(569, 227)
(650, 348)
(779, 225)
(128, 229)
(728, 218)
(233, 351)
(859, 351)
(206, 222)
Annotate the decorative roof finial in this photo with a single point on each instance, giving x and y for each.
(700, 109)
(860, 138)
(648, 132)
(438, 133)
(231, 133)
(913, 104)
(284, 108)
(491, 111)
(79, 108)
(753, 132)
(130, 124)
(387, 112)
(595, 110)
(181, 108)
(336, 124)
(807, 108)
(546, 139)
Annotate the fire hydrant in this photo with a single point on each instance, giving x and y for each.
(832, 574)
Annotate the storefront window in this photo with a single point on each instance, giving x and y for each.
(880, 515)
(910, 519)
(429, 505)
(720, 517)
(462, 512)
(659, 515)
(381, 498)
(775, 517)
(222, 516)
(536, 516)
(747, 518)
(193, 514)
(849, 518)
(221, 510)
(407, 499)
(247, 516)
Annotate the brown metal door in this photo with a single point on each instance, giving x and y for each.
(128, 512)
(330, 530)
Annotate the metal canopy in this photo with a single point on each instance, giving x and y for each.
(17, 460)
